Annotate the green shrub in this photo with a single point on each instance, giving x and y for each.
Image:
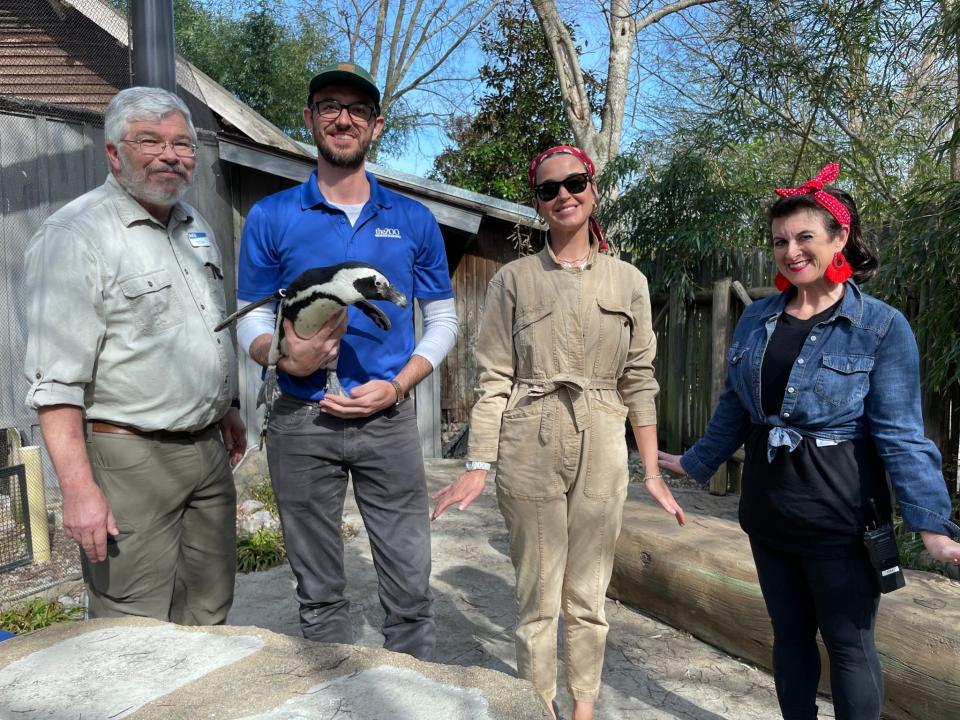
(262, 550)
(36, 614)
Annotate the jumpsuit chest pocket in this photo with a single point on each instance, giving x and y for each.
(153, 301)
(843, 379)
(616, 329)
(533, 339)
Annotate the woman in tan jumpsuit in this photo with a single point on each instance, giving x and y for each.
(565, 355)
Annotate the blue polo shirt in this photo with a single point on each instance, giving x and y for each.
(296, 229)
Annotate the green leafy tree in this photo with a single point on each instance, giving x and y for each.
(520, 114)
(256, 50)
(674, 210)
(262, 56)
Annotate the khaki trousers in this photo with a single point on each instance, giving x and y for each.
(174, 502)
(562, 542)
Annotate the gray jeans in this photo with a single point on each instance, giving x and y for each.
(310, 455)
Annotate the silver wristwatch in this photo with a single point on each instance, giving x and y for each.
(477, 465)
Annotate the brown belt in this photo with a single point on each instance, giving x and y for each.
(99, 426)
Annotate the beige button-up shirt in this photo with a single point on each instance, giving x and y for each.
(121, 315)
(548, 330)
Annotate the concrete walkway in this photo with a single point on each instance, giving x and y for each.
(651, 671)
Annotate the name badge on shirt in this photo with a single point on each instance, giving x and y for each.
(199, 239)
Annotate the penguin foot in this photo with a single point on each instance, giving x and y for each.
(333, 383)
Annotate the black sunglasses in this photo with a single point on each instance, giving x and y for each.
(573, 184)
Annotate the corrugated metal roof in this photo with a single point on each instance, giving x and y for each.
(51, 54)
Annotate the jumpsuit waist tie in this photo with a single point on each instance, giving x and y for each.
(576, 387)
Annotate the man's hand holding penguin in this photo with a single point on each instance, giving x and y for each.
(305, 356)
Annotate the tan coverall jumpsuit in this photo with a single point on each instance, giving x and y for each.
(564, 357)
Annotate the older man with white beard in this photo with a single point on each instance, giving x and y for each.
(134, 390)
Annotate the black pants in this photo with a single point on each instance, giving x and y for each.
(838, 596)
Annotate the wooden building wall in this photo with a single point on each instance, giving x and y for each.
(470, 272)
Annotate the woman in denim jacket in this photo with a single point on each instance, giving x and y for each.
(823, 389)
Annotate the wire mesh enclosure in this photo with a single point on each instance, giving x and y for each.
(15, 543)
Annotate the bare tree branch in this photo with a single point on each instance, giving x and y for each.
(623, 27)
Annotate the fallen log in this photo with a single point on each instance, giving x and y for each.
(701, 579)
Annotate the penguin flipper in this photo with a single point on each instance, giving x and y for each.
(247, 308)
(374, 313)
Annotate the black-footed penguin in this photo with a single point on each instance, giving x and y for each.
(310, 300)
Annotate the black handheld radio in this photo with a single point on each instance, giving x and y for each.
(883, 553)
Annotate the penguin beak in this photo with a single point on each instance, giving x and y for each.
(393, 295)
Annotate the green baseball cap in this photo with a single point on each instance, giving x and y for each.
(347, 74)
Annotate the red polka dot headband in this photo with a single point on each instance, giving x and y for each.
(591, 171)
(814, 187)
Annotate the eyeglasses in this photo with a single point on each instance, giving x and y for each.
(573, 184)
(331, 109)
(157, 147)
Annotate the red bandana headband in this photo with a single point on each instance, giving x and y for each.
(814, 187)
(591, 171)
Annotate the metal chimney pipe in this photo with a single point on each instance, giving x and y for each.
(154, 49)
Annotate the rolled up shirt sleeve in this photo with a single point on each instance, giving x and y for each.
(65, 316)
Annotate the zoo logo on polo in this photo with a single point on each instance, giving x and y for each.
(387, 232)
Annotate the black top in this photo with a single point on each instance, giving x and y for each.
(785, 345)
(813, 501)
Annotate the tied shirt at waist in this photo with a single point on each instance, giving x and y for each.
(789, 437)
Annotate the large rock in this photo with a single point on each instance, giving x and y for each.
(701, 578)
(151, 670)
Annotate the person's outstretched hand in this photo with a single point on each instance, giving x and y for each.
(941, 547)
(661, 493)
(670, 462)
(464, 490)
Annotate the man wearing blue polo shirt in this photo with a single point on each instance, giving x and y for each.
(315, 440)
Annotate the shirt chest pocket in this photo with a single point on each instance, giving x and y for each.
(153, 301)
(533, 340)
(616, 327)
(843, 379)
(213, 275)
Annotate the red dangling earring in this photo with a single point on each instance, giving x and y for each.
(781, 282)
(839, 270)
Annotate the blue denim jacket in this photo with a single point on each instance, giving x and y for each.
(857, 375)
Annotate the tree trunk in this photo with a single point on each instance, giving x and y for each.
(604, 144)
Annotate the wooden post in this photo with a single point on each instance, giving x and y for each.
(675, 396)
(720, 341)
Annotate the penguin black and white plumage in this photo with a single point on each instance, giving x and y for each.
(313, 298)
